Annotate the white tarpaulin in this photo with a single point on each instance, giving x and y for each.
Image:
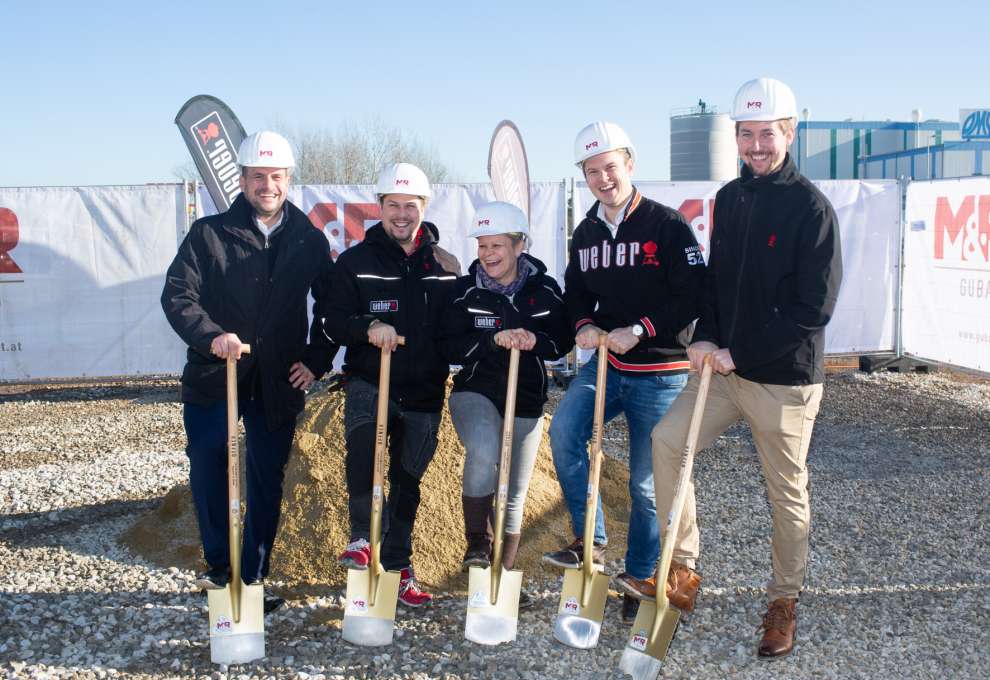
(81, 269)
(869, 223)
(84, 300)
(946, 313)
(345, 211)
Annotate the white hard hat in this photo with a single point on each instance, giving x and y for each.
(266, 149)
(402, 178)
(764, 99)
(600, 137)
(498, 217)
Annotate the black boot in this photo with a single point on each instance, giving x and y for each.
(510, 548)
(478, 531)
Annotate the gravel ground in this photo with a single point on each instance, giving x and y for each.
(899, 580)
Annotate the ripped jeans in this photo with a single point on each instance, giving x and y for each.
(412, 441)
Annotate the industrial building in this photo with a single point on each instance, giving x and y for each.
(702, 147)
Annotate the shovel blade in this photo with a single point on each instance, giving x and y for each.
(366, 624)
(642, 656)
(237, 641)
(487, 623)
(578, 626)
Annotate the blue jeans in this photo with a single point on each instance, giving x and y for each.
(643, 399)
(264, 466)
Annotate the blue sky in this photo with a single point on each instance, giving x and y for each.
(89, 90)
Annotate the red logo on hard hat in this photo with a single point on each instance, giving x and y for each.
(401, 181)
(754, 105)
(483, 223)
(265, 152)
(650, 249)
(211, 131)
(593, 145)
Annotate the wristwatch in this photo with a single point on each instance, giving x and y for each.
(637, 329)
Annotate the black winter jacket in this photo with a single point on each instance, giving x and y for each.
(773, 276)
(223, 281)
(650, 273)
(475, 314)
(375, 279)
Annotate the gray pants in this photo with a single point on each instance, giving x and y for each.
(479, 426)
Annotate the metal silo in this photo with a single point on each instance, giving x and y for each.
(702, 145)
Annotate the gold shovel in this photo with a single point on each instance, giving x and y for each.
(372, 593)
(656, 622)
(585, 589)
(237, 619)
(493, 593)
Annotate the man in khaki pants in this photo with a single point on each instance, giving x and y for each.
(772, 281)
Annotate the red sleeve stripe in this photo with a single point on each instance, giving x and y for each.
(650, 330)
(583, 322)
(663, 367)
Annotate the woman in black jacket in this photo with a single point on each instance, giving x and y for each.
(506, 300)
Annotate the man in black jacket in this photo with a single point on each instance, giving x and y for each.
(392, 284)
(243, 276)
(634, 273)
(772, 283)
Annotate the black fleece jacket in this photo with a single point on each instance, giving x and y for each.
(227, 279)
(773, 276)
(375, 279)
(475, 314)
(649, 273)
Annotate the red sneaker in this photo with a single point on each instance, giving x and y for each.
(356, 556)
(410, 594)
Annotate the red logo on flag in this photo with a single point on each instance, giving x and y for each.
(211, 131)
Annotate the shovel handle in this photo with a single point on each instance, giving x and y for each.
(234, 486)
(677, 507)
(378, 474)
(504, 465)
(594, 469)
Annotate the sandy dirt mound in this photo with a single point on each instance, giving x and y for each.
(314, 526)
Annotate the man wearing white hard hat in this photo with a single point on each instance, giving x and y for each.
(505, 301)
(772, 284)
(634, 273)
(391, 284)
(242, 277)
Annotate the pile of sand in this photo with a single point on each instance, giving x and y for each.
(314, 526)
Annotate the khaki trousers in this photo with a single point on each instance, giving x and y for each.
(781, 418)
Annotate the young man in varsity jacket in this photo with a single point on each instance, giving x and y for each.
(634, 273)
(392, 284)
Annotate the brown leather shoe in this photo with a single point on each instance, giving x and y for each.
(682, 586)
(638, 588)
(779, 625)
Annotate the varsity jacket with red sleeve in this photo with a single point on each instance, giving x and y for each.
(649, 273)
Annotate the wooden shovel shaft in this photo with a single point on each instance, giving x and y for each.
(378, 474)
(234, 486)
(504, 465)
(677, 507)
(594, 470)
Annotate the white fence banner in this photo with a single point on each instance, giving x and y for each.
(869, 223)
(80, 279)
(343, 212)
(947, 272)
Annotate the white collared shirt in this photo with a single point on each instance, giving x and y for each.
(265, 230)
(614, 228)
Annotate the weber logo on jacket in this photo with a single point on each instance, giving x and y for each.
(380, 306)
